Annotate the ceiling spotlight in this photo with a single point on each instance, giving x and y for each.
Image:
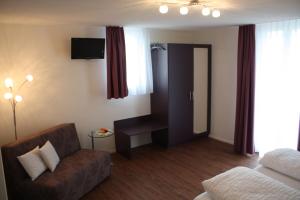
(163, 9)
(184, 10)
(216, 13)
(205, 11)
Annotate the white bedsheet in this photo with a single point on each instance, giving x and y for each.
(203, 196)
(279, 177)
(268, 172)
(285, 161)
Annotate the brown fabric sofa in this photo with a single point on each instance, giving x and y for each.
(79, 170)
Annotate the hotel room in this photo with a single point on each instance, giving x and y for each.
(147, 100)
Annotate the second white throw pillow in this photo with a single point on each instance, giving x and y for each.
(49, 156)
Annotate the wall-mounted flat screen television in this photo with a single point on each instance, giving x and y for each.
(87, 48)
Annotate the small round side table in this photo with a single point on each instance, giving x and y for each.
(93, 135)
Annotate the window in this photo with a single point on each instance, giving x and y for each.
(138, 61)
(277, 96)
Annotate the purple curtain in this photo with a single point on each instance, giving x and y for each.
(243, 135)
(299, 136)
(116, 63)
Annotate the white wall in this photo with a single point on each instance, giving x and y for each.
(75, 90)
(66, 90)
(63, 90)
(224, 42)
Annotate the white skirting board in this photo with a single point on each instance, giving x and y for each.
(221, 139)
(3, 194)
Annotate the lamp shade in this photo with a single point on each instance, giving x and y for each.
(8, 96)
(9, 82)
(18, 98)
(29, 78)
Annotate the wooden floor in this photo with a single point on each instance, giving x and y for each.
(155, 173)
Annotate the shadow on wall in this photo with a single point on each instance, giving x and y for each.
(63, 90)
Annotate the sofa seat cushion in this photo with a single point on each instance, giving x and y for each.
(76, 174)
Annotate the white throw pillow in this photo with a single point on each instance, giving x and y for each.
(285, 161)
(33, 163)
(49, 156)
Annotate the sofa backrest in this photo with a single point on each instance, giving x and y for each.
(63, 137)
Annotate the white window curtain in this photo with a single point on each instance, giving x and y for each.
(138, 61)
(277, 96)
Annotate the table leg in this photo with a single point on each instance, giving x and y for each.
(123, 144)
(93, 143)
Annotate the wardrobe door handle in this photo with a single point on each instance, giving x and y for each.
(191, 96)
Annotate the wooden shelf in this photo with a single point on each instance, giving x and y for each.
(143, 127)
(126, 128)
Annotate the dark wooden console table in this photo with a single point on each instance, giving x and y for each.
(126, 128)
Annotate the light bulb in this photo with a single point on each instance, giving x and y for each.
(9, 82)
(184, 10)
(18, 98)
(205, 11)
(216, 13)
(29, 78)
(163, 9)
(8, 96)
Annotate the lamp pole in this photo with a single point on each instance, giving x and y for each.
(15, 118)
(14, 99)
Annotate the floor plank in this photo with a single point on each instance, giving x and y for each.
(156, 173)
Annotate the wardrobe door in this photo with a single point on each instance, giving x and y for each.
(180, 59)
(200, 90)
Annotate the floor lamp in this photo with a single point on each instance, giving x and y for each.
(15, 98)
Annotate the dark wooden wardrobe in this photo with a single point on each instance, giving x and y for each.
(172, 101)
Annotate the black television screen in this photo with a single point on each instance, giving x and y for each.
(87, 48)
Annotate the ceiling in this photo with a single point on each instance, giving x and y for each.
(144, 13)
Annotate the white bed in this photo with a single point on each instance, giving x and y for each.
(293, 183)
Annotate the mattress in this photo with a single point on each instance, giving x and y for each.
(268, 172)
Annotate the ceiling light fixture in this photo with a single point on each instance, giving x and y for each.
(184, 8)
(163, 9)
(205, 11)
(216, 13)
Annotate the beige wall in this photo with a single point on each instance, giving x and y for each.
(63, 90)
(75, 90)
(224, 42)
(66, 90)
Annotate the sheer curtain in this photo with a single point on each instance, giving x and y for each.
(138, 61)
(277, 96)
